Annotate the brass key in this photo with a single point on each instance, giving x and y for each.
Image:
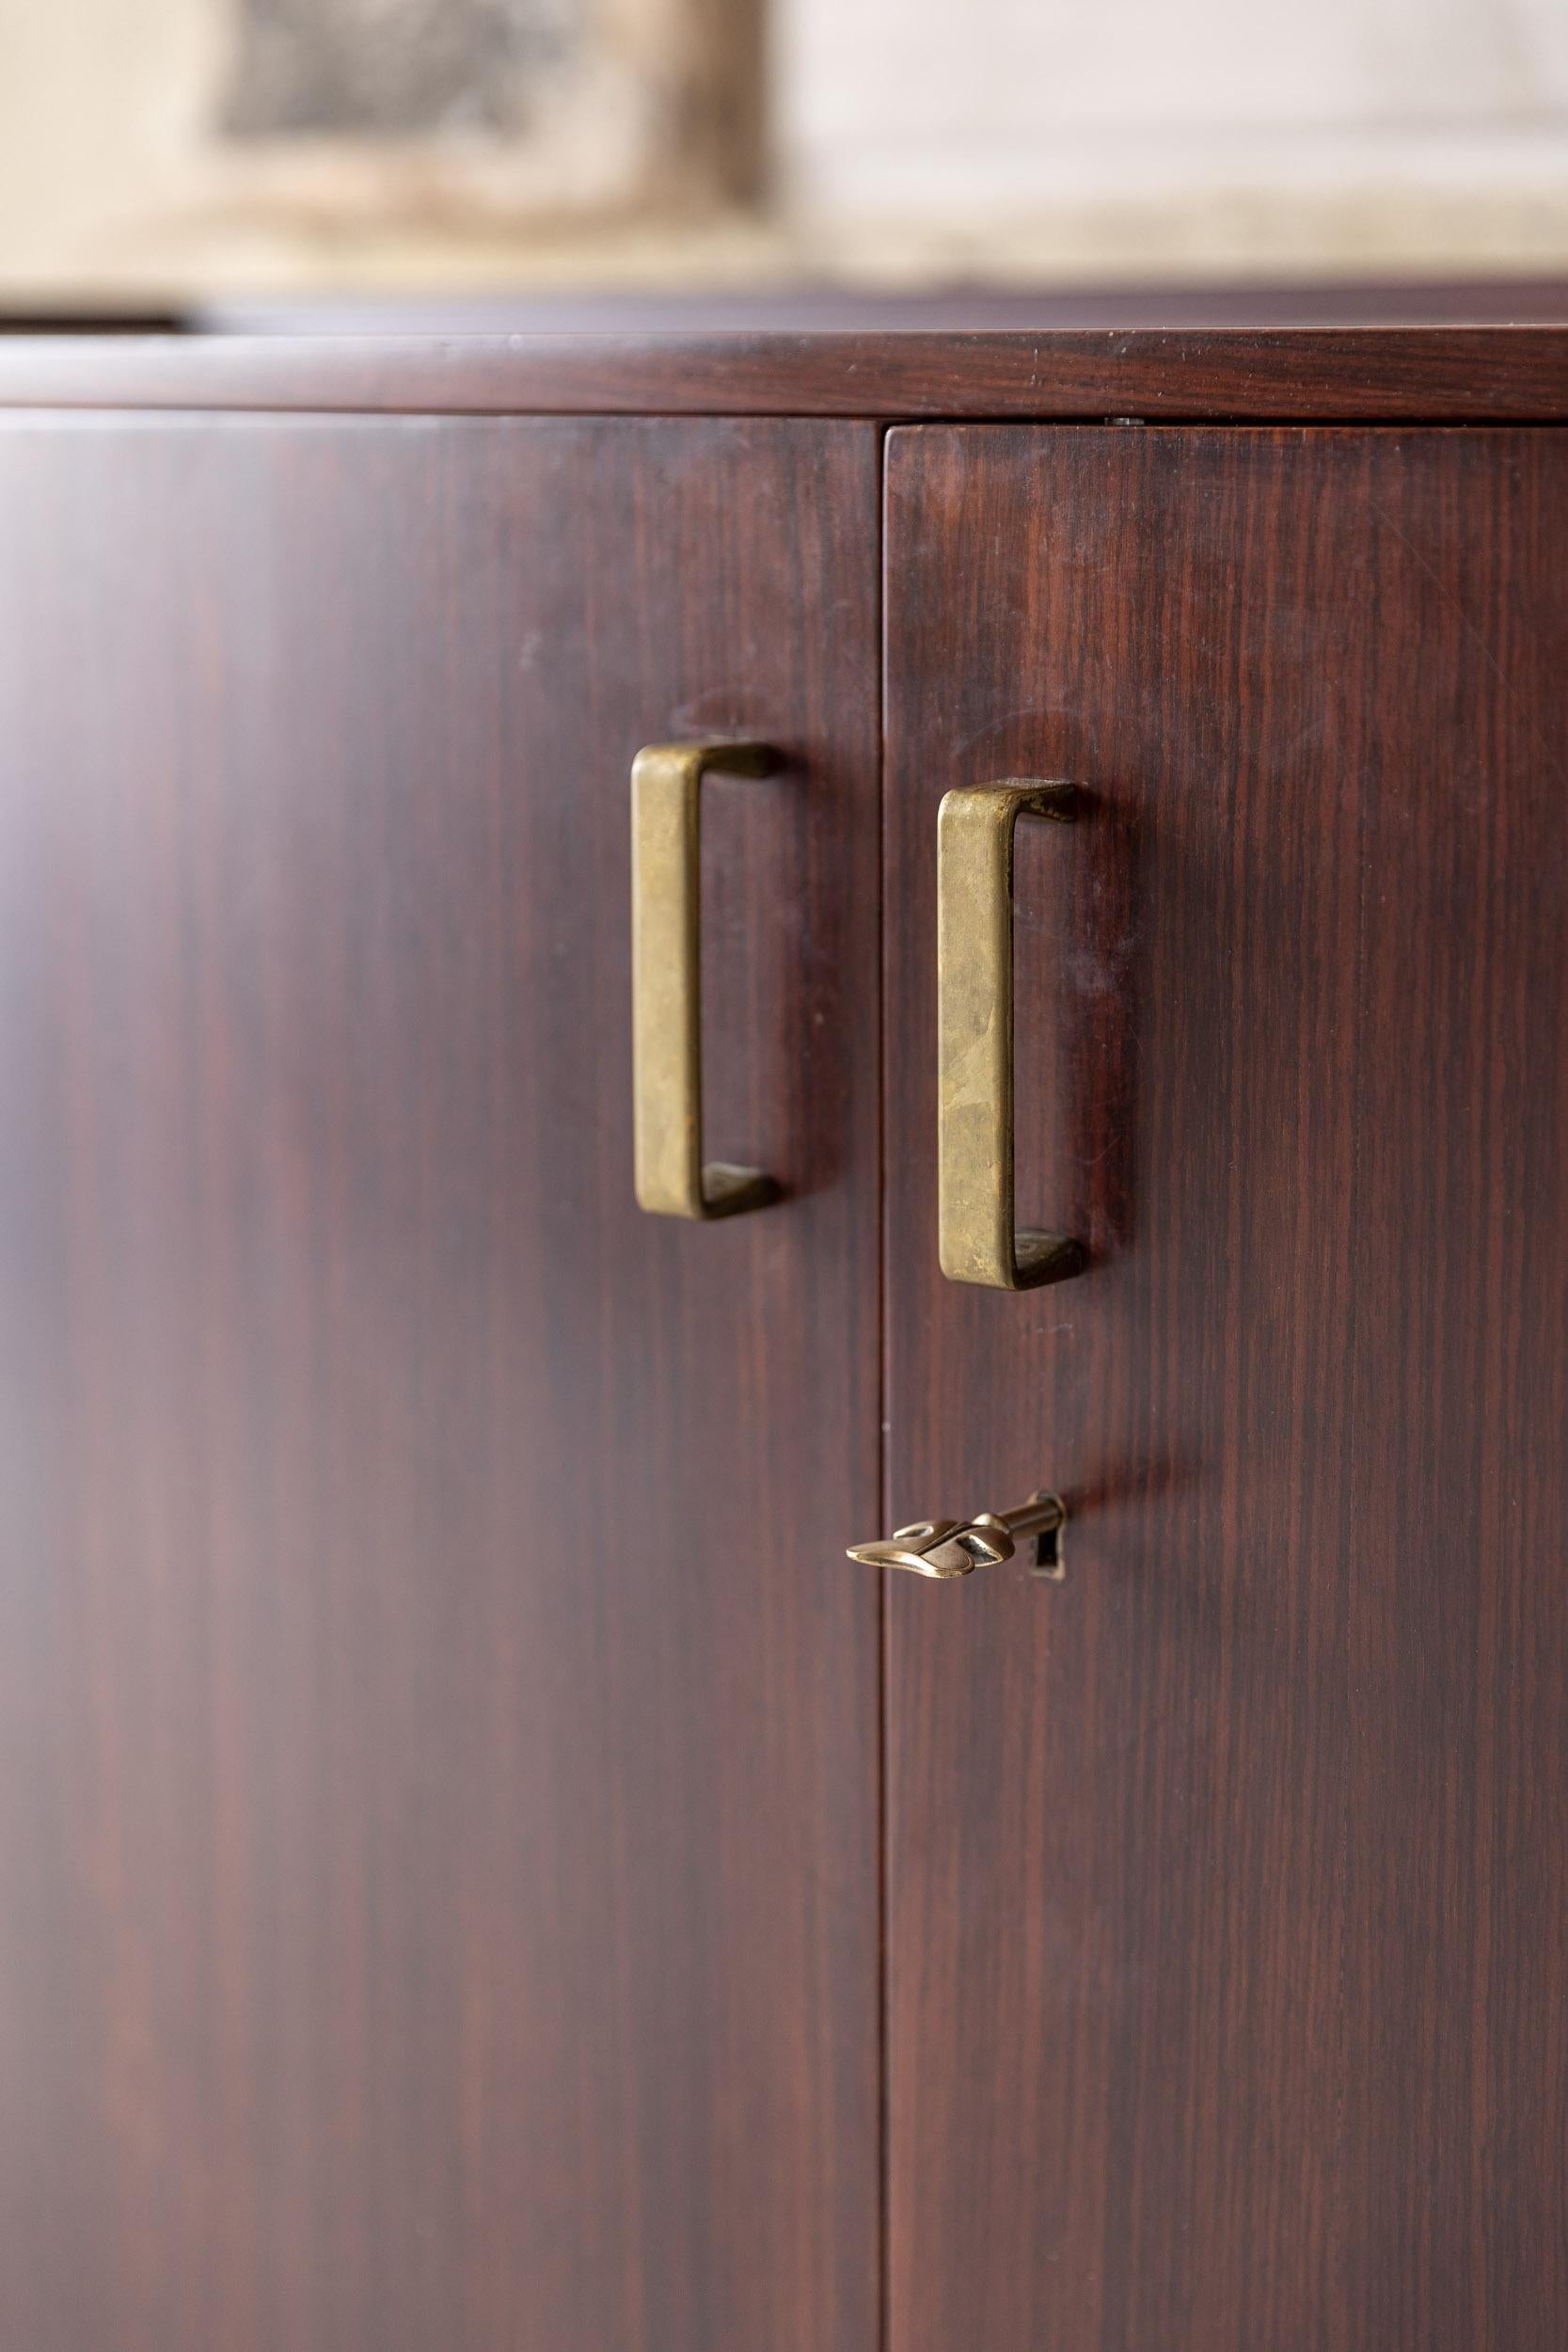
(947, 1547)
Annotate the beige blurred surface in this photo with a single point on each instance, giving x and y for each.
(1247, 136)
(117, 174)
(679, 143)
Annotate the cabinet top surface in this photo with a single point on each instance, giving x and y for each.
(1439, 375)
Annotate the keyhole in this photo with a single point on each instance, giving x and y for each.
(1049, 1560)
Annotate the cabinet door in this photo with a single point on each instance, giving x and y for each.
(437, 1724)
(1228, 1877)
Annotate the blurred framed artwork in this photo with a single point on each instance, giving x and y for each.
(162, 142)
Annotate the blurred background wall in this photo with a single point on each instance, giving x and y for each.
(170, 148)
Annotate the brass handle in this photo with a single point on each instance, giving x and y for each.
(666, 980)
(947, 1547)
(977, 1241)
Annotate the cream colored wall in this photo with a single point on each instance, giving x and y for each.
(908, 139)
(1041, 135)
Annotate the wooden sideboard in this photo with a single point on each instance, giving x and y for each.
(480, 1866)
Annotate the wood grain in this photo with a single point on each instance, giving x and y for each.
(438, 1760)
(1228, 1880)
(1463, 374)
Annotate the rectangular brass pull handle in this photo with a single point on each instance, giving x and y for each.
(977, 1238)
(666, 981)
